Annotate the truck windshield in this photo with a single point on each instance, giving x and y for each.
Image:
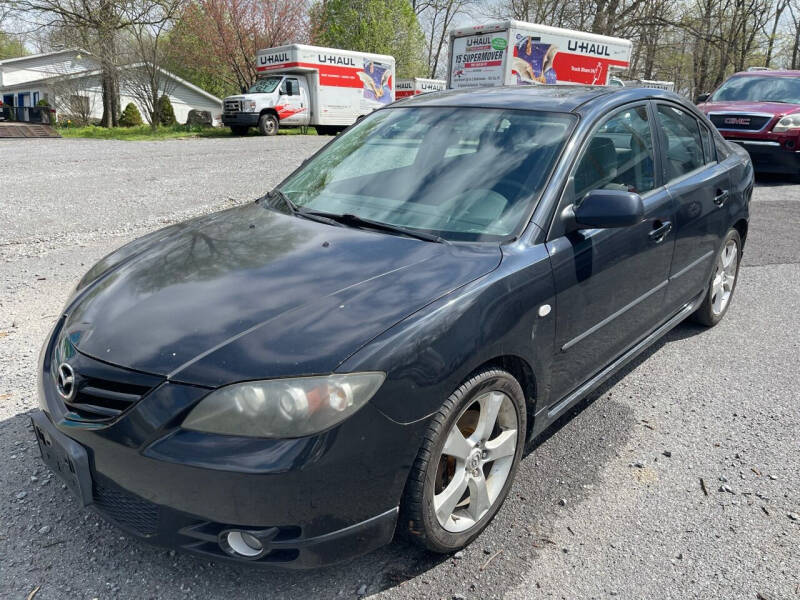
(763, 88)
(266, 85)
(463, 174)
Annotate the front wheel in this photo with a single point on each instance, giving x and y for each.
(723, 281)
(467, 463)
(268, 124)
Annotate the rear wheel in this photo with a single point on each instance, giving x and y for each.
(467, 463)
(268, 124)
(723, 281)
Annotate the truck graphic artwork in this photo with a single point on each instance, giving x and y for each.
(533, 61)
(377, 81)
(517, 53)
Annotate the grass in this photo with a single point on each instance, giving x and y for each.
(145, 133)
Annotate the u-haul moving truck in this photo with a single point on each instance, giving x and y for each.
(517, 53)
(307, 85)
(413, 87)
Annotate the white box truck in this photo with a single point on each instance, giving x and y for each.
(418, 85)
(302, 85)
(517, 53)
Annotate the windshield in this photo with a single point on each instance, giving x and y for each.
(759, 89)
(265, 86)
(466, 174)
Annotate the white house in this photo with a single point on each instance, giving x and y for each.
(71, 78)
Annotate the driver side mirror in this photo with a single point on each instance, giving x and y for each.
(702, 98)
(604, 209)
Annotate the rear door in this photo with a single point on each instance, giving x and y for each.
(610, 283)
(700, 185)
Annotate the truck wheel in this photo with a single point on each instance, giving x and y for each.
(239, 130)
(268, 124)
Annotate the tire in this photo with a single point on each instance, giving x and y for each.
(435, 471)
(716, 302)
(268, 124)
(239, 130)
(327, 129)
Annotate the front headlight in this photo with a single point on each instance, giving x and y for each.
(786, 123)
(249, 106)
(283, 408)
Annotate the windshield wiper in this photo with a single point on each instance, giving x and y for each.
(356, 221)
(777, 101)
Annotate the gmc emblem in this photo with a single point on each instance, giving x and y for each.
(737, 121)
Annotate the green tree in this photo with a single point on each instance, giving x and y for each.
(381, 26)
(166, 114)
(11, 47)
(130, 117)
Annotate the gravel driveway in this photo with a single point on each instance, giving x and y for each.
(610, 504)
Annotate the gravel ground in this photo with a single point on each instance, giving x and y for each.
(609, 504)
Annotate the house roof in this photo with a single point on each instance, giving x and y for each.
(42, 55)
(44, 81)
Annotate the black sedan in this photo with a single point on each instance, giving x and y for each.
(368, 348)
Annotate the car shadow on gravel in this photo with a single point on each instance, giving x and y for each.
(46, 539)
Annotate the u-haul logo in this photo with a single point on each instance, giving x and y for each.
(332, 59)
(588, 48)
(273, 59)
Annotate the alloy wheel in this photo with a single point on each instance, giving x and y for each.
(724, 277)
(475, 461)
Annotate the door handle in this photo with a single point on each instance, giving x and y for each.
(721, 197)
(660, 231)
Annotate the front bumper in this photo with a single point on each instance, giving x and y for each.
(327, 498)
(769, 156)
(241, 119)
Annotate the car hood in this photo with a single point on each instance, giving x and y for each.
(251, 293)
(773, 108)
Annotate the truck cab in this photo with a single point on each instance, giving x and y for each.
(274, 101)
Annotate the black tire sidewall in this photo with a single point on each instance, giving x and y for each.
(438, 538)
(262, 124)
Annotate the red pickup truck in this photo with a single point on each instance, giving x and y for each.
(761, 111)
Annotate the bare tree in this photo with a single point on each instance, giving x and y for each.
(98, 24)
(437, 18)
(144, 77)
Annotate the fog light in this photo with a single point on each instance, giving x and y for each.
(244, 544)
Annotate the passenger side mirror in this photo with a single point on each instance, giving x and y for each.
(609, 208)
(243, 89)
(702, 98)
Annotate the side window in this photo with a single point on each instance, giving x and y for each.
(618, 156)
(709, 149)
(684, 148)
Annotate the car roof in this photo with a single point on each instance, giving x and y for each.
(770, 73)
(556, 98)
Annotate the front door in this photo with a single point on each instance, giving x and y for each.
(610, 283)
(293, 108)
(699, 184)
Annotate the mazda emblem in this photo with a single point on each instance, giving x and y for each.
(66, 381)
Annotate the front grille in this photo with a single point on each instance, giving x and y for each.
(126, 509)
(739, 121)
(232, 106)
(103, 392)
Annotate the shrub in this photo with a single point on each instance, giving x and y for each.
(130, 117)
(166, 111)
